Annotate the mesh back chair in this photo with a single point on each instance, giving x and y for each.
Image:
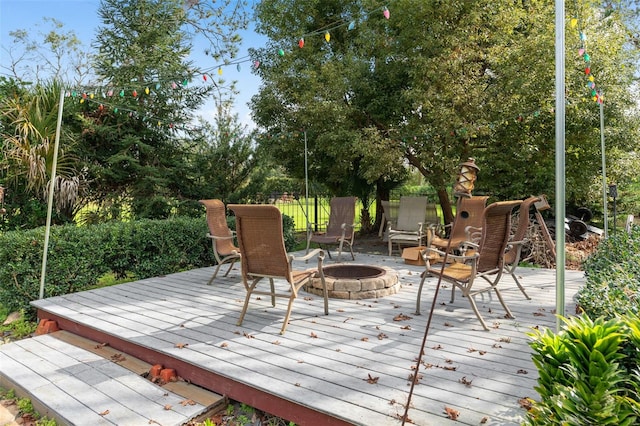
(514, 250)
(259, 232)
(221, 236)
(468, 213)
(409, 227)
(340, 229)
(487, 261)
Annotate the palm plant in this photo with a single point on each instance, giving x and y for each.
(30, 122)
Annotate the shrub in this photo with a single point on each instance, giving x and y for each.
(613, 274)
(79, 256)
(588, 373)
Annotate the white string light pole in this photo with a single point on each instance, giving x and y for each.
(52, 185)
(462, 189)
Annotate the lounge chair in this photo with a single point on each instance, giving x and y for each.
(340, 229)
(468, 214)
(261, 241)
(221, 236)
(486, 262)
(409, 228)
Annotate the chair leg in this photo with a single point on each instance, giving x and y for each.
(424, 277)
(273, 292)
(506, 308)
(246, 300)
(472, 302)
(230, 266)
(215, 273)
(286, 318)
(519, 285)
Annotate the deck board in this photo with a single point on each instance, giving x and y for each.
(323, 362)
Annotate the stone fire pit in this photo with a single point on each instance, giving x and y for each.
(356, 282)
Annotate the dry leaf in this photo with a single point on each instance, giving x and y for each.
(340, 310)
(521, 371)
(525, 403)
(118, 358)
(449, 368)
(382, 336)
(451, 413)
(104, 413)
(181, 345)
(168, 407)
(365, 339)
(406, 327)
(436, 347)
(186, 402)
(314, 335)
(307, 298)
(465, 381)
(247, 335)
(275, 342)
(471, 350)
(482, 352)
(371, 380)
(446, 324)
(297, 384)
(401, 317)
(224, 344)
(484, 420)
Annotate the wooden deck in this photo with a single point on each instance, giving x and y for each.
(350, 367)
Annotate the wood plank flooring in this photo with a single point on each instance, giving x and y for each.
(350, 367)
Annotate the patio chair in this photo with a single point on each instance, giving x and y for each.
(340, 229)
(261, 241)
(410, 226)
(468, 214)
(512, 256)
(221, 236)
(486, 262)
(389, 214)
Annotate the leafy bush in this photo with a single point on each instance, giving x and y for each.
(79, 256)
(613, 274)
(589, 373)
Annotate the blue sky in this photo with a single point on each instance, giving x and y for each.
(81, 16)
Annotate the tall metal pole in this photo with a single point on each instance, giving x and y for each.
(306, 181)
(604, 170)
(54, 165)
(560, 161)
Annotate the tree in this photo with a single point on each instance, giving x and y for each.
(133, 139)
(437, 83)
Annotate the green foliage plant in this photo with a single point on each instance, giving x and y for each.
(588, 373)
(613, 276)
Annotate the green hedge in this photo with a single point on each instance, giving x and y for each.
(79, 257)
(613, 277)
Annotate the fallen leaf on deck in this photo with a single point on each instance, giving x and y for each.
(406, 327)
(382, 336)
(521, 371)
(436, 347)
(247, 335)
(401, 317)
(525, 403)
(365, 339)
(181, 345)
(104, 413)
(314, 335)
(465, 381)
(224, 344)
(484, 420)
(275, 342)
(186, 402)
(451, 413)
(168, 407)
(371, 380)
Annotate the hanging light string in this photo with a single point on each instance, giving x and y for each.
(575, 23)
(104, 96)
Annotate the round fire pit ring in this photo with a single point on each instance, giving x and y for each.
(346, 281)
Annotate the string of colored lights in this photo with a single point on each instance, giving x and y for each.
(596, 94)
